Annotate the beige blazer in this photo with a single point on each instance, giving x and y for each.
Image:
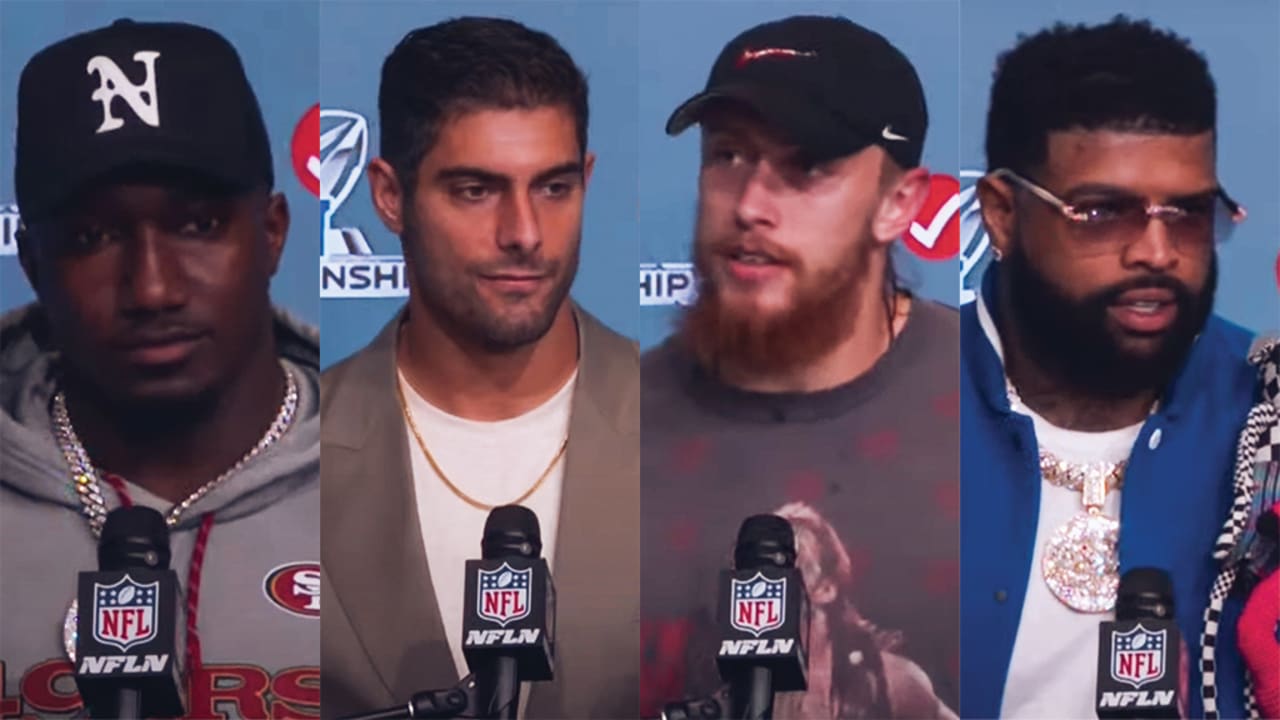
(382, 639)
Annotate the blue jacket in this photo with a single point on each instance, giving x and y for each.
(1177, 492)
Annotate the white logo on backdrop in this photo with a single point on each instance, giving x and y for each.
(975, 245)
(667, 283)
(348, 266)
(9, 220)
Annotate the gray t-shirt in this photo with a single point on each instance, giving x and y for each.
(868, 475)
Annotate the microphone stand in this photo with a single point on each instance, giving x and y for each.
(129, 704)
(710, 707)
(755, 701)
(499, 690)
(444, 703)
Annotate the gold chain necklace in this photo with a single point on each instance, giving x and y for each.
(422, 445)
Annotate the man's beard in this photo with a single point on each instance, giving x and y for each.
(1071, 338)
(821, 313)
(459, 308)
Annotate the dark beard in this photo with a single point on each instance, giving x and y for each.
(1071, 339)
(464, 315)
(821, 314)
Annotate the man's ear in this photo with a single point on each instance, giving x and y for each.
(900, 205)
(387, 194)
(28, 255)
(995, 199)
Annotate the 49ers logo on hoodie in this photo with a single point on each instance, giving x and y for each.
(295, 588)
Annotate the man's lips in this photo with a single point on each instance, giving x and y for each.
(160, 348)
(750, 265)
(1145, 310)
(1146, 295)
(515, 281)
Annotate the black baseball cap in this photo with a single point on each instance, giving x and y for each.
(135, 94)
(830, 85)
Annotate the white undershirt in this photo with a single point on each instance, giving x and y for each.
(493, 463)
(1054, 668)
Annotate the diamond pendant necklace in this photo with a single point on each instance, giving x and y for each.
(1081, 563)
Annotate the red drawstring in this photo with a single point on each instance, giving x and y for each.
(194, 659)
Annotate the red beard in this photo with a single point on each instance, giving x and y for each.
(820, 315)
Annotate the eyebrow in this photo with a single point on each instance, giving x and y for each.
(464, 172)
(1105, 189)
(729, 133)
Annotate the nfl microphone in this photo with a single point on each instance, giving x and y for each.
(1139, 654)
(125, 660)
(508, 614)
(764, 618)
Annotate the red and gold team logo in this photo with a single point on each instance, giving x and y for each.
(295, 588)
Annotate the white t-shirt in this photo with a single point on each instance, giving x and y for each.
(1054, 669)
(494, 463)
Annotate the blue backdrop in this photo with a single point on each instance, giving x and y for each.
(278, 44)
(679, 42)
(643, 58)
(1240, 43)
(356, 37)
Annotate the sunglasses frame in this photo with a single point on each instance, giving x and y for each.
(1075, 216)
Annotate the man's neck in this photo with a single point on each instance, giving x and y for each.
(871, 333)
(471, 382)
(1061, 404)
(174, 456)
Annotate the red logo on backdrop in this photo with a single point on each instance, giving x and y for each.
(295, 588)
(935, 233)
(305, 149)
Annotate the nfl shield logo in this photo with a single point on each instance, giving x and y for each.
(1137, 656)
(504, 594)
(125, 612)
(757, 605)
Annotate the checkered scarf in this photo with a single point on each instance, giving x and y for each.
(1254, 492)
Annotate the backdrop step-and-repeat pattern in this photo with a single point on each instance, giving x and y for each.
(315, 66)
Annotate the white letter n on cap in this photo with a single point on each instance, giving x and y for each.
(141, 98)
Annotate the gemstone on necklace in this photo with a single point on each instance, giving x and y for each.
(1081, 564)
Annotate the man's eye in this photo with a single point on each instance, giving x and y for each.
(471, 193)
(1198, 208)
(557, 189)
(88, 239)
(724, 156)
(200, 226)
(1102, 211)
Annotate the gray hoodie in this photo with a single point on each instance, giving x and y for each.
(258, 615)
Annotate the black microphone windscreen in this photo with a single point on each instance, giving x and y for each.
(765, 541)
(1144, 593)
(132, 537)
(511, 530)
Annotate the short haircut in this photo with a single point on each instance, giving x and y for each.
(466, 64)
(1123, 75)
